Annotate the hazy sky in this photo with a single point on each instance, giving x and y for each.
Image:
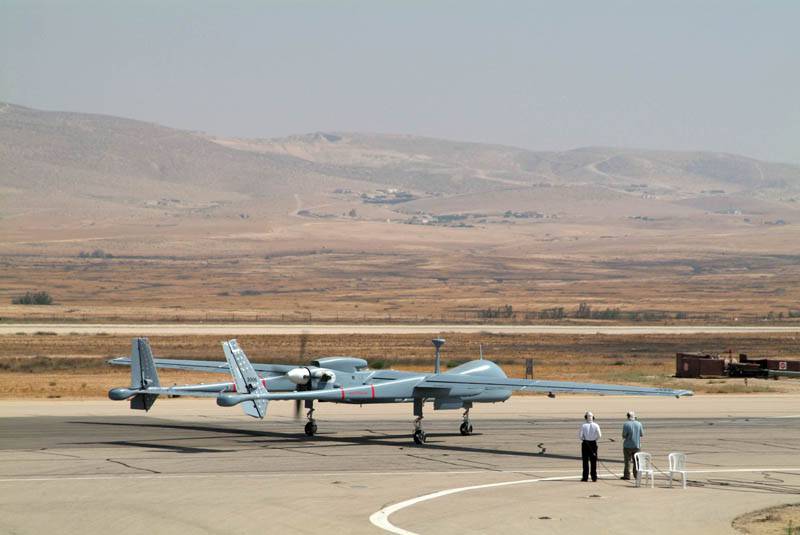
(721, 75)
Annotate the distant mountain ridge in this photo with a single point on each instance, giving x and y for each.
(598, 165)
(105, 159)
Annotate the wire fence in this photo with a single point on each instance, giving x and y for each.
(472, 317)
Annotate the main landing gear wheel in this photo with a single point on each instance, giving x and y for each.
(419, 434)
(311, 425)
(466, 426)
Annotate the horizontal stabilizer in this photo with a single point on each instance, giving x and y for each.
(204, 365)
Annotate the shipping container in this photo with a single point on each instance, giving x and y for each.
(698, 365)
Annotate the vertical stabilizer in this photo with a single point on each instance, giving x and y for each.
(246, 379)
(143, 374)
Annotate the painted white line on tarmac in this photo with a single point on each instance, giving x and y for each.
(405, 473)
(294, 475)
(726, 470)
(380, 518)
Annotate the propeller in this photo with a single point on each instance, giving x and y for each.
(298, 404)
(303, 344)
(307, 378)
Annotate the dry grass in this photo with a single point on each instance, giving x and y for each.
(781, 520)
(411, 286)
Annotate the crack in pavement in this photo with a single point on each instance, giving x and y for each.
(450, 463)
(133, 467)
(46, 452)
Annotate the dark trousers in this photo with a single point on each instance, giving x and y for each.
(629, 461)
(589, 457)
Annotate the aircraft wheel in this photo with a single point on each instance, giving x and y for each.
(311, 429)
(419, 437)
(466, 429)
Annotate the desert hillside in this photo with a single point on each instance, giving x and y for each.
(366, 224)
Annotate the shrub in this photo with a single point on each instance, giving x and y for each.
(584, 311)
(33, 298)
(607, 314)
(506, 311)
(246, 293)
(555, 313)
(97, 253)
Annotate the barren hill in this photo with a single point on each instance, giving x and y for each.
(374, 223)
(469, 164)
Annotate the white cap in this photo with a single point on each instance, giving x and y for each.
(631, 415)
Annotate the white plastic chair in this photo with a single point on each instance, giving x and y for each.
(677, 465)
(644, 465)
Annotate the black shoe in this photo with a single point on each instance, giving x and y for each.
(625, 478)
(594, 481)
(584, 480)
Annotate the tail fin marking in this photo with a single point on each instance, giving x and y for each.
(143, 374)
(246, 379)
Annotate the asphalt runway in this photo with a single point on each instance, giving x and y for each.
(239, 329)
(191, 467)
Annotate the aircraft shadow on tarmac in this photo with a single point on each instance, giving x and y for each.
(167, 447)
(319, 440)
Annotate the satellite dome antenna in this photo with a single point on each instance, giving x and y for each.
(438, 343)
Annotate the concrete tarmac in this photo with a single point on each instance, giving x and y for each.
(240, 329)
(189, 466)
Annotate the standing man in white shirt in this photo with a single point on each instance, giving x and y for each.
(589, 435)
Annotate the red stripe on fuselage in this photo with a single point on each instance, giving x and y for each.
(373, 391)
(342, 393)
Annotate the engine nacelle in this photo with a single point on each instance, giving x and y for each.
(326, 376)
(299, 376)
(302, 376)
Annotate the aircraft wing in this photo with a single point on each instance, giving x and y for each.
(445, 381)
(204, 365)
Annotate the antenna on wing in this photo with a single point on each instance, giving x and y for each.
(480, 348)
(438, 343)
